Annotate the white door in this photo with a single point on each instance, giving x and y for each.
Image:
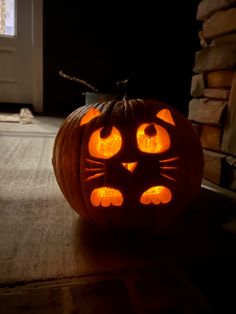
(21, 65)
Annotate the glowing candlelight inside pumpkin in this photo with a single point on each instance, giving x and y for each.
(156, 195)
(106, 196)
(152, 138)
(105, 147)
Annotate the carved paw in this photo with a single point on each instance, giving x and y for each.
(156, 195)
(106, 197)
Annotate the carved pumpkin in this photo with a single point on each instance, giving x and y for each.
(128, 164)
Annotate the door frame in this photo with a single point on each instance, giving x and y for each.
(37, 52)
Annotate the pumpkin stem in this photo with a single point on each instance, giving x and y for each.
(122, 88)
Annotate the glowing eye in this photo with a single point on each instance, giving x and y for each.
(105, 144)
(152, 138)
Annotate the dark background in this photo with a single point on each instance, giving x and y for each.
(152, 43)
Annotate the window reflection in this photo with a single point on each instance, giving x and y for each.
(7, 17)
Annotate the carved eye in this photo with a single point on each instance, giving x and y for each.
(152, 138)
(105, 143)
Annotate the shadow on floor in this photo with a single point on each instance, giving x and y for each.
(202, 242)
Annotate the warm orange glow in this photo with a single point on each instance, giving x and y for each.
(166, 167)
(94, 176)
(129, 166)
(107, 147)
(169, 160)
(106, 197)
(91, 114)
(156, 195)
(157, 142)
(168, 177)
(166, 116)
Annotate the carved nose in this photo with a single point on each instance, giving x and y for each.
(130, 166)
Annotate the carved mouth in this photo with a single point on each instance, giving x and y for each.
(130, 166)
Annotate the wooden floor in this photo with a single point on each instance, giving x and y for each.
(54, 262)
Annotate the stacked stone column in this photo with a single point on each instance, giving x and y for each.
(212, 108)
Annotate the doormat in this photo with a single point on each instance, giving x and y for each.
(25, 116)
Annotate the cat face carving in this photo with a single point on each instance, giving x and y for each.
(109, 152)
(128, 164)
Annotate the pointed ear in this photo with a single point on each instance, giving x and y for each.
(89, 115)
(166, 116)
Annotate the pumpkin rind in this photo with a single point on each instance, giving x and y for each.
(177, 169)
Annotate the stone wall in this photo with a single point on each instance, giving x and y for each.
(212, 108)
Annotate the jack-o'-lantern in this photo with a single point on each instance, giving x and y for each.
(128, 164)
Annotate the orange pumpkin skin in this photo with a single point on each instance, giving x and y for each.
(128, 164)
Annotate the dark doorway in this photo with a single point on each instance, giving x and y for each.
(153, 44)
